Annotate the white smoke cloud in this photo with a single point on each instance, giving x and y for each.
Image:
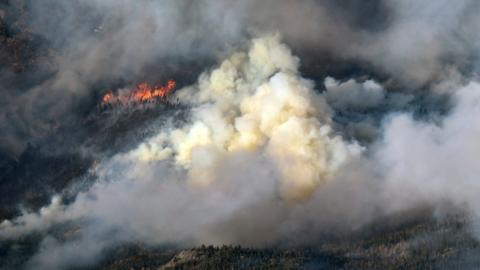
(253, 101)
(260, 160)
(258, 146)
(259, 137)
(427, 162)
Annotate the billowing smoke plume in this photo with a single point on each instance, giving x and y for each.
(259, 162)
(265, 156)
(258, 132)
(256, 101)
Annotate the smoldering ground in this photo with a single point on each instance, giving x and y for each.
(264, 157)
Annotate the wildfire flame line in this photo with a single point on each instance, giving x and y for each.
(142, 93)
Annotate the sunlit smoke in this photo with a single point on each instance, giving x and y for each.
(263, 155)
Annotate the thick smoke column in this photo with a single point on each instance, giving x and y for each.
(251, 102)
(265, 156)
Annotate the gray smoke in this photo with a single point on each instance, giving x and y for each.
(99, 42)
(266, 157)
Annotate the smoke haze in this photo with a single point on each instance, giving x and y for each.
(265, 155)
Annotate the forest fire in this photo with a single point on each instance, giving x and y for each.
(318, 134)
(142, 93)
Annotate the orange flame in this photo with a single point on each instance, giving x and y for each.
(142, 93)
(107, 97)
